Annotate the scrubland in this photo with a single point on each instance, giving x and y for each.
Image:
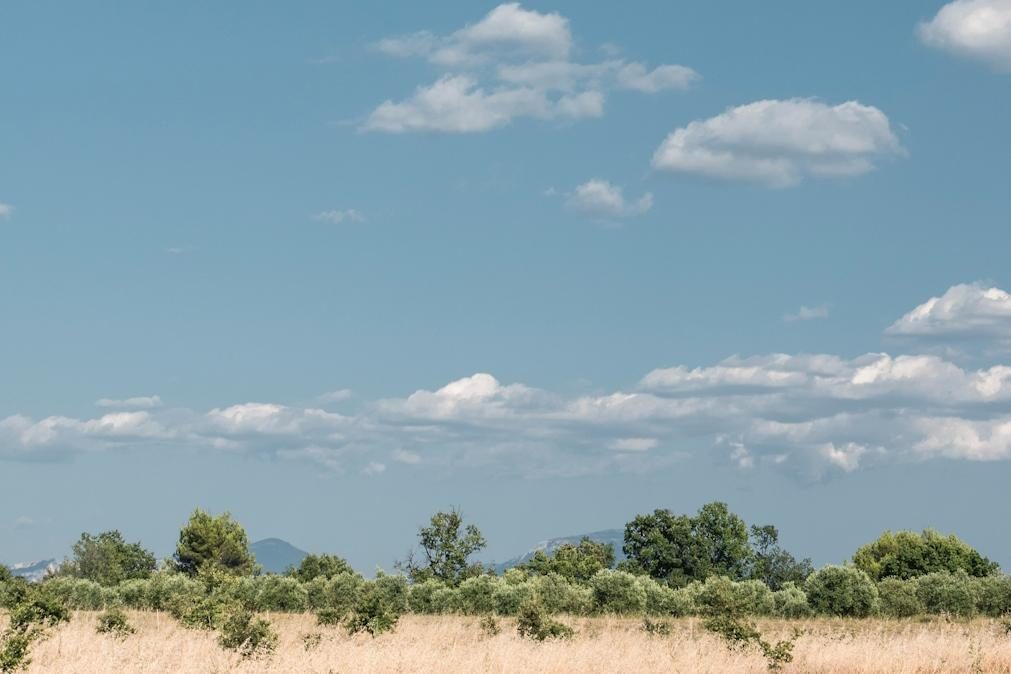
(601, 644)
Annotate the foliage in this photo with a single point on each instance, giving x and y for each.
(898, 598)
(740, 635)
(993, 595)
(108, 560)
(534, 622)
(114, 623)
(682, 548)
(320, 566)
(279, 593)
(841, 591)
(559, 595)
(573, 562)
(311, 640)
(659, 628)
(373, 612)
(247, 634)
(213, 543)
(662, 599)
(446, 545)
(773, 565)
(329, 616)
(906, 554)
(477, 595)
(791, 602)
(489, 625)
(617, 592)
(948, 593)
(32, 613)
(719, 595)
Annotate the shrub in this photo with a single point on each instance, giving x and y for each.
(907, 554)
(31, 614)
(534, 622)
(740, 635)
(660, 628)
(489, 625)
(841, 591)
(81, 594)
(108, 559)
(791, 602)
(320, 566)
(719, 595)
(114, 623)
(509, 596)
(898, 598)
(311, 640)
(342, 591)
(993, 595)
(14, 650)
(663, 599)
(373, 612)
(420, 596)
(617, 592)
(558, 595)
(280, 593)
(393, 590)
(946, 593)
(329, 616)
(477, 594)
(247, 634)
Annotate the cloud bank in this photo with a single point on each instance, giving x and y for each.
(975, 29)
(809, 415)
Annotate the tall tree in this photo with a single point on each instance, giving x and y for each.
(907, 554)
(773, 565)
(575, 562)
(108, 559)
(208, 543)
(446, 544)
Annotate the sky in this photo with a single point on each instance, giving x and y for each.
(334, 266)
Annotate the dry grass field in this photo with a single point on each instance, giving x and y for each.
(457, 644)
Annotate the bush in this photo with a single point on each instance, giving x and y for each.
(993, 595)
(374, 611)
(509, 596)
(342, 591)
(421, 596)
(898, 598)
(617, 592)
(719, 595)
(907, 554)
(489, 625)
(394, 591)
(841, 591)
(559, 595)
(81, 594)
(791, 602)
(320, 566)
(477, 594)
(280, 593)
(329, 617)
(311, 640)
(114, 623)
(660, 628)
(31, 614)
(739, 635)
(247, 634)
(947, 593)
(663, 599)
(534, 622)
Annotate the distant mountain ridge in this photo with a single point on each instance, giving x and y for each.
(32, 571)
(276, 555)
(616, 537)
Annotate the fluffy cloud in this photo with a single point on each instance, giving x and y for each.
(972, 311)
(5, 211)
(336, 217)
(977, 29)
(779, 143)
(599, 198)
(514, 63)
(806, 414)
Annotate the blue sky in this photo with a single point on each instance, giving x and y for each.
(334, 266)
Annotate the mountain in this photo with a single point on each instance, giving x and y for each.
(615, 537)
(275, 555)
(32, 571)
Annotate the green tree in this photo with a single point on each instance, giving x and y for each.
(320, 566)
(446, 545)
(574, 562)
(907, 554)
(214, 544)
(107, 559)
(773, 565)
(677, 549)
(841, 591)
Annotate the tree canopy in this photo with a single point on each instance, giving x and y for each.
(446, 544)
(320, 566)
(907, 554)
(107, 559)
(208, 543)
(575, 562)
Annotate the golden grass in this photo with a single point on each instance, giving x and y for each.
(457, 644)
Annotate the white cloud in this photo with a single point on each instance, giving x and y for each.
(635, 76)
(805, 414)
(779, 143)
(336, 217)
(977, 29)
(5, 211)
(138, 402)
(973, 311)
(512, 64)
(338, 396)
(806, 313)
(600, 198)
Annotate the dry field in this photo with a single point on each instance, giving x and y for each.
(457, 644)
